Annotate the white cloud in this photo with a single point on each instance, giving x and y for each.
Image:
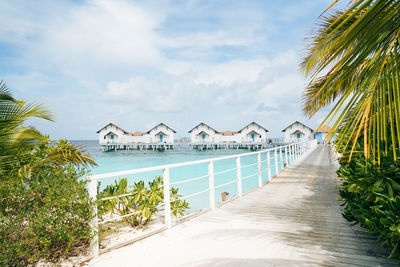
(208, 39)
(162, 94)
(248, 84)
(100, 34)
(129, 62)
(236, 71)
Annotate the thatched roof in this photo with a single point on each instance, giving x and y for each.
(137, 134)
(227, 133)
(323, 129)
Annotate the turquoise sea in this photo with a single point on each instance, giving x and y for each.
(113, 161)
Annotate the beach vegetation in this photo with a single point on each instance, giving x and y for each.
(142, 201)
(353, 62)
(371, 196)
(45, 210)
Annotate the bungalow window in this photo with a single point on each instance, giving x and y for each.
(112, 137)
(105, 137)
(203, 136)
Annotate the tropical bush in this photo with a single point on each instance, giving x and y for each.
(44, 211)
(371, 195)
(353, 63)
(44, 206)
(144, 201)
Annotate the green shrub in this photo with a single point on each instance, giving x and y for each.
(371, 196)
(145, 200)
(44, 209)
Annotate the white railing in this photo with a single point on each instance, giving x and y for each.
(292, 153)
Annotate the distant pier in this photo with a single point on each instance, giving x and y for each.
(236, 145)
(213, 146)
(137, 146)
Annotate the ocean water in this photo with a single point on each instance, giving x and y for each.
(121, 160)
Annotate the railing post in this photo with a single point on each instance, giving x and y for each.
(298, 150)
(167, 198)
(239, 176)
(211, 183)
(294, 152)
(94, 244)
(286, 152)
(276, 161)
(259, 169)
(291, 154)
(280, 157)
(269, 164)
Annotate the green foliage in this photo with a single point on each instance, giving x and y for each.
(17, 140)
(353, 63)
(44, 213)
(44, 207)
(371, 195)
(142, 200)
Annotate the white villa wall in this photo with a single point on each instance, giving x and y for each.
(119, 137)
(226, 138)
(154, 134)
(245, 134)
(196, 137)
(289, 135)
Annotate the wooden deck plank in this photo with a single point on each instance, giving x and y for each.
(295, 220)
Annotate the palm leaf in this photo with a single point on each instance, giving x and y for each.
(352, 62)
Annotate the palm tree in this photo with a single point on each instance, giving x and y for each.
(353, 63)
(18, 142)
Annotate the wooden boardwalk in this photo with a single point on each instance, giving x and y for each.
(294, 220)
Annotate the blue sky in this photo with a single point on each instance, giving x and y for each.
(138, 63)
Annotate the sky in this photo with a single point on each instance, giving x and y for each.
(138, 63)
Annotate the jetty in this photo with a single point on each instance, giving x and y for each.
(294, 219)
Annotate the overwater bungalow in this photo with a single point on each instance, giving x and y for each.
(321, 133)
(297, 131)
(252, 136)
(113, 137)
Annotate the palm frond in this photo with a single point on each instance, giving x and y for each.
(353, 63)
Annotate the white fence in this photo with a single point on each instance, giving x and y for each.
(287, 155)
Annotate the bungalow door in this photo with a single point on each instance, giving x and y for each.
(161, 138)
(252, 136)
